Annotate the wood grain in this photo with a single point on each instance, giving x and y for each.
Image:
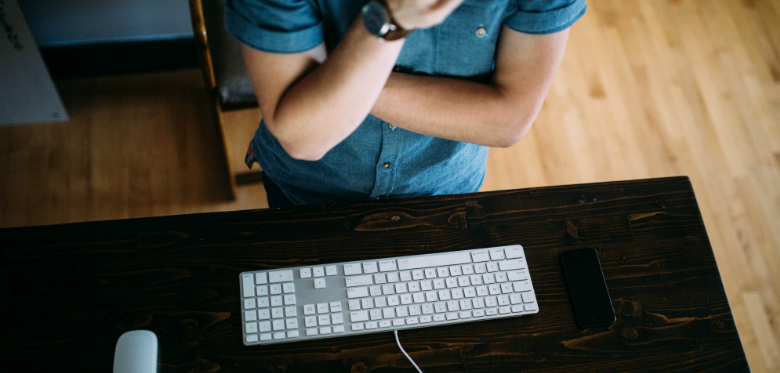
(648, 88)
(73, 289)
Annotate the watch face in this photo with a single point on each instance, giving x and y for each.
(375, 19)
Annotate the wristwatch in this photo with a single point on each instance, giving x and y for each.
(379, 21)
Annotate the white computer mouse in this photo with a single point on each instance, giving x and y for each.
(136, 352)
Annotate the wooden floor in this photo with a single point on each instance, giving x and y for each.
(648, 88)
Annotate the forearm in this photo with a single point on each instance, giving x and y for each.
(456, 109)
(331, 101)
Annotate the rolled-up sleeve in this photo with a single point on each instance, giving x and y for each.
(544, 16)
(276, 26)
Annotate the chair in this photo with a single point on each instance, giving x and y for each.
(230, 90)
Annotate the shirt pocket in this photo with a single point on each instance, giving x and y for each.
(466, 41)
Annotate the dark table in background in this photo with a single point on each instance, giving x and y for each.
(69, 291)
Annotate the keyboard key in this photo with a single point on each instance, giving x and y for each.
(276, 289)
(380, 302)
(385, 324)
(278, 324)
(444, 295)
(482, 291)
(491, 311)
(480, 256)
(426, 285)
(427, 309)
(250, 315)
(276, 301)
(464, 281)
(455, 271)
(249, 303)
(280, 276)
(478, 313)
(453, 306)
(324, 319)
(501, 277)
(506, 288)
(289, 299)
(468, 269)
(375, 314)
(430, 273)
(414, 310)
(412, 321)
(318, 271)
(492, 267)
(406, 276)
(251, 338)
(452, 316)
(464, 315)
(248, 285)
(401, 311)
(308, 309)
(531, 307)
(503, 300)
(370, 267)
(264, 326)
(513, 252)
(437, 260)
(425, 319)
(440, 307)
(517, 308)
(419, 297)
(515, 298)
(305, 272)
(393, 300)
(439, 317)
(398, 322)
(508, 265)
(310, 321)
(517, 275)
(400, 288)
(478, 303)
(387, 266)
(496, 254)
(491, 301)
(494, 289)
(265, 337)
(288, 288)
(528, 297)
(489, 278)
(338, 329)
(367, 303)
(470, 292)
(277, 313)
(358, 316)
(405, 299)
(292, 334)
(465, 304)
(457, 293)
(250, 327)
(476, 280)
(331, 270)
(335, 306)
(311, 331)
(418, 274)
(359, 280)
(480, 268)
(372, 325)
(451, 282)
(522, 286)
(325, 330)
(431, 296)
(439, 284)
(354, 304)
(280, 335)
(322, 308)
(337, 318)
(261, 290)
(263, 314)
(357, 292)
(380, 278)
(290, 312)
(414, 286)
(388, 313)
(442, 272)
(352, 269)
(291, 324)
(356, 327)
(504, 310)
(388, 289)
(392, 277)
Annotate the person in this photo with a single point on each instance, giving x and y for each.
(352, 114)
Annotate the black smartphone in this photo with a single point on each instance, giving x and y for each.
(587, 287)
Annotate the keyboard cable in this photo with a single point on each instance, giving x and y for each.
(405, 354)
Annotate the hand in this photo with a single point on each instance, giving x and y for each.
(414, 14)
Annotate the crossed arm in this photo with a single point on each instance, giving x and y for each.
(312, 101)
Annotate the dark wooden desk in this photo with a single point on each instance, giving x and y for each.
(69, 291)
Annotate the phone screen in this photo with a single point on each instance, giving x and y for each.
(587, 287)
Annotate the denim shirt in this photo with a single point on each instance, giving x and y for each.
(379, 160)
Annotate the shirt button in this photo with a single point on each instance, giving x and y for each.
(392, 127)
(397, 68)
(386, 165)
(481, 32)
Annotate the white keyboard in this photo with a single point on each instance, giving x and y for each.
(333, 300)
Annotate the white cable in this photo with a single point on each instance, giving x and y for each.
(402, 350)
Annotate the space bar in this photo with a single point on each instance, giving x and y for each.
(434, 260)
